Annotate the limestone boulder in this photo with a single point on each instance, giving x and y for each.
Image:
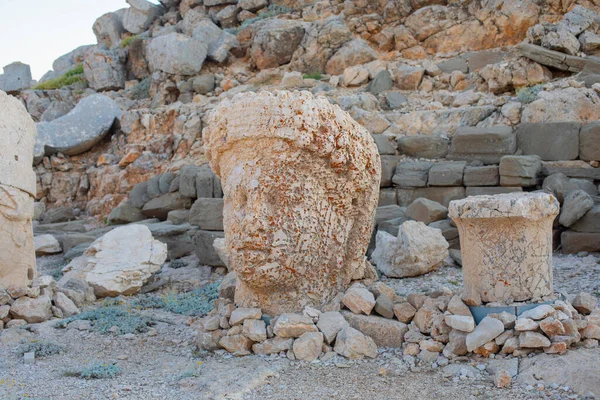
(426, 211)
(219, 42)
(46, 245)
(576, 205)
(32, 310)
(352, 53)
(176, 54)
(354, 345)
(120, 262)
(109, 28)
(16, 77)
(104, 69)
(308, 346)
(140, 15)
(416, 250)
(78, 131)
(275, 43)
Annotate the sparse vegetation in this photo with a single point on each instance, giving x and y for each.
(313, 75)
(117, 319)
(272, 11)
(69, 78)
(97, 371)
(141, 90)
(197, 302)
(528, 94)
(127, 41)
(41, 348)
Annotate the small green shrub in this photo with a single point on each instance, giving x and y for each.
(69, 78)
(272, 11)
(197, 302)
(528, 94)
(41, 349)
(97, 371)
(127, 41)
(141, 90)
(105, 317)
(313, 75)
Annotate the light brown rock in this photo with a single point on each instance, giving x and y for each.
(384, 332)
(308, 346)
(533, 340)
(460, 322)
(302, 170)
(584, 303)
(238, 345)
(255, 330)
(352, 344)
(359, 300)
(424, 317)
(293, 325)
(17, 191)
(404, 312)
(496, 230)
(330, 323)
(32, 310)
(240, 314)
(502, 379)
(271, 346)
(526, 324)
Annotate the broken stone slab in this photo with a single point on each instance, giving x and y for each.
(576, 205)
(140, 15)
(589, 142)
(159, 207)
(330, 323)
(497, 229)
(384, 332)
(590, 222)
(388, 168)
(290, 325)
(552, 58)
(80, 130)
(46, 245)
(219, 41)
(104, 69)
(207, 214)
(486, 144)
(488, 175)
(551, 141)
(491, 190)
(204, 249)
(488, 329)
(412, 174)
(449, 173)
(426, 211)
(520, 170)
(423, 146)
(576, 242)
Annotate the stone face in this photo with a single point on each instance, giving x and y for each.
(283, 263)
(384, 332)
(17, 189)
(308, 346)
(381, 82)
(519, 170)
(46, 245)
(238, 345)
(488, 329)
(423, 146)
(32, 310)
(105, 69)
(176, 54)
(359, 299)
(354, 345)
(120, 262)
(487, 144)
(589, 142)
(551, 141)
(497, 229)
(255, 330)
(576, 205)
(80, 130)
(416, 250)
(426, 211)
(274, 44)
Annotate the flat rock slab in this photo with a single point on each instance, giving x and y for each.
(80, 129)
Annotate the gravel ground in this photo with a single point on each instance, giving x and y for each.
(163, 363)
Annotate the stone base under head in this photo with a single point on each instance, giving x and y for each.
(506, 243)
(300, 181)
(17, 190)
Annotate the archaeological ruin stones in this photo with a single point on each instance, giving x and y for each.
(301, 181)
(17, 191)
(506, 243)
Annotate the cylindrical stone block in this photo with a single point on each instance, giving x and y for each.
(506, 245)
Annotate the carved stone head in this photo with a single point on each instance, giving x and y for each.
(301, 181)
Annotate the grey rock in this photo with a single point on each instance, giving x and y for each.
(330, 323)
(164, 183)
(454, 64)
(386, 213)
(519, 170)
(449, 231)
(553, 141)
(69, 60)
(56, 110)
(590, 222)
(140, 15)
(384, 332)
(207, 213)
(576, 242)
(487, 144)
(384, 146)
(79, 130)
(576, 205)
(491, 190)
(590, 42)
(585, 185)
(391, 226)
(388, 168)
(551, 58)
(16, 77)
(561, 40)
(559, 185)
(153, 187)
(426, 211)
(395, 99)
(227, 17)
(443, 195)
(219, 42)
(204, 83)
(412, 174)
(160, 206)
(589, 142)
(275, 43)
(176, 54)
(488, 175)
(105, 69)
(178, 238)
(139, 195)
(59, 214)
(125, 214)
(178, 217)
(448, 173)
(207, 183)
(423, 146)
(203, 247)
(381, 83)
(187, 180)
(253, 5)
(108, 29)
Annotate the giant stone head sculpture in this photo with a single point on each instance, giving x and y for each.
(301, 182)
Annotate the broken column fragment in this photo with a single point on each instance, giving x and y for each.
(506, 243)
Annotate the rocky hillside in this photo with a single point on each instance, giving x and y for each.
(462, 97)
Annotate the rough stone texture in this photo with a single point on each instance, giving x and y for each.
(487, 144)
(589, 142)
(308, 346)
(447, 173)
(176, 54)
(330, 323)
(65, 304)
(207, 214)
(575, 242)
(140, 15)
(108, 29)
(352, 344)
(32, 310)
(384, 332)
(424, 146)
(497, 232)
(120, 262)
(576, 205)
(46, 245)
(416, 250)
(105, 69)
(16, 77)
(274, 44)
(519, 170)
(239, 315)
(354, 52)
(204, 249)
(426, 211)
(584, 303)
(293, 325)
(261, 165)
(488, 329)
(272, 346)
(125, 214)
(160, 206)
(443, 195)
(460, 322)
(219, 42)
(359, 299)
(17, 191)
(488, 175)
(553, 141)
(80, 130)
(590, 222)
(412, 174)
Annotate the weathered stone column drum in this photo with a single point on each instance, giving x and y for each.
(506, 244)
(17, 191)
